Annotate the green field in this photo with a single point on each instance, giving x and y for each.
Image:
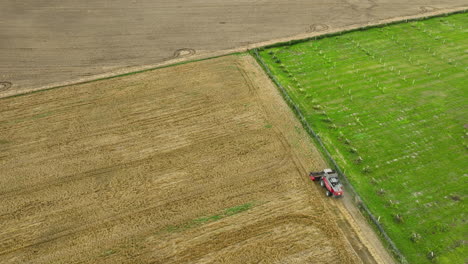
(390, 104)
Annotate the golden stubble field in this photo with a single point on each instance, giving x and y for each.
(197, 163)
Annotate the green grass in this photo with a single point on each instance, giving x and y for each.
(390, 104)
(108, 253)
(207, 219)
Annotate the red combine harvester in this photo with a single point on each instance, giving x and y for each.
(329, 180)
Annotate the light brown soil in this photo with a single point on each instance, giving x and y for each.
(103, 172)
(49, 43)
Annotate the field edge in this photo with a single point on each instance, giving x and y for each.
(239, 50)
(357, 201)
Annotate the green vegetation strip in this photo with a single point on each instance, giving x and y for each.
(389, 105)
(190, 224)
(204, 220)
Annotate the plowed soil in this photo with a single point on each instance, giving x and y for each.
(48, 43)
(153, 168)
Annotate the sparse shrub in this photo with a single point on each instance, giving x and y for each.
(393, 204)
(381, 192)
(341, 136)
(431, 255)
(366, 169)
(415, 237)
(441, 227)
(317, 107)
(398, 218)
(359, 160)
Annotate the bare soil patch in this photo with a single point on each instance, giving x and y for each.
(4, 86)
(153, 168)
(184, 52)
(426, 9)
(318, 27)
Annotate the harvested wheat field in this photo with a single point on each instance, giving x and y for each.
(197, 163)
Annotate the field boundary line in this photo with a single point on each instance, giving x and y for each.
(113, 75)
(216, 54)
(381, 23)
(357, 199)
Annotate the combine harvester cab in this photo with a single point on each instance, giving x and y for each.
(328, 179)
